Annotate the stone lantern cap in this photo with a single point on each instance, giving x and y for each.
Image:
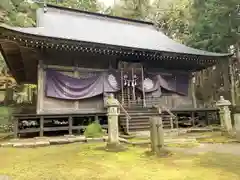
(111, 101)
(223, 102)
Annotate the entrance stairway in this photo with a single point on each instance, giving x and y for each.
(140, 119)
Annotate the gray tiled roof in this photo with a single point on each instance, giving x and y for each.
(80, 26)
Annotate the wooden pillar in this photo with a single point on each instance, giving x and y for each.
(15, 120)
(133, 86)
(171, 122)
(122, 93)
(128, 96)
(40, 86)
(96, 119)
(193, 118)
(176, 120)
(207, 118)
(76, 74)
(232, 83)
(194, 101)
(70, 125)
(143, 89)
(41, 126)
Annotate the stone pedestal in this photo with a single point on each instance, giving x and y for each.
(225, 114)
(113, 112)
(237, 125)
(157, 136)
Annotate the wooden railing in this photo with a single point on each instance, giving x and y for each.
(34, 123)
(127, 117)
(172, 116)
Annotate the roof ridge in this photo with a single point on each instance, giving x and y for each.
(99, 14)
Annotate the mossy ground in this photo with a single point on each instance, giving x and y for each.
(204, 137)
(215, 137)
(88, 162)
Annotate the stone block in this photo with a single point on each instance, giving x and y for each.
(40, 138)
(124, 140)
(80, 139)
(18, 145)
(7, 145)
(58, 141)
(14, 140)
(42, 143)
(69, 136)
(94, 139)
(71, 140)
(29, 144)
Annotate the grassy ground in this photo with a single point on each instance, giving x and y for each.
(88, 162)
(205, 137)
(216, 137)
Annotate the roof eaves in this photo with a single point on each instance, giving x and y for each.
(98, 14)
(36, 31)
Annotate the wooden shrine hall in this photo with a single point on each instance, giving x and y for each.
(76, 58)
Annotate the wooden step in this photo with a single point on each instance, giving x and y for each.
(140, 119)
(132, 123)
(135, 120)
(139, 128)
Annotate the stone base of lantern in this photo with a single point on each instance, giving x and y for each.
(238, 136)
(162, 152)
(115, 147)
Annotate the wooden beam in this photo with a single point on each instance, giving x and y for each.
(15, 120)
(194, 100)
(232, 83)
(143, 88)
(41, 126)
(70, 125)
(76, 74)
(72, 68)
(40, 85)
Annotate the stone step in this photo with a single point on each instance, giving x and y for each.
(140, 119)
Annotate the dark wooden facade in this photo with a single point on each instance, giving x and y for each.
(73, 42)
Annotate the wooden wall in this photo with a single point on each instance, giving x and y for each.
(171, 101)
(48, 105)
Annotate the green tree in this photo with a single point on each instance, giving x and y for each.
(21, 13)
(86, 5)
(210, 25)
(17, 13)
(133, 9)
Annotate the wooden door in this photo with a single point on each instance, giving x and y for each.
(131, 76)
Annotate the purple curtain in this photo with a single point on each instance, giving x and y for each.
(65, 87)
(182, 84)
(93, 84)
(150, 83)
(177, 83)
